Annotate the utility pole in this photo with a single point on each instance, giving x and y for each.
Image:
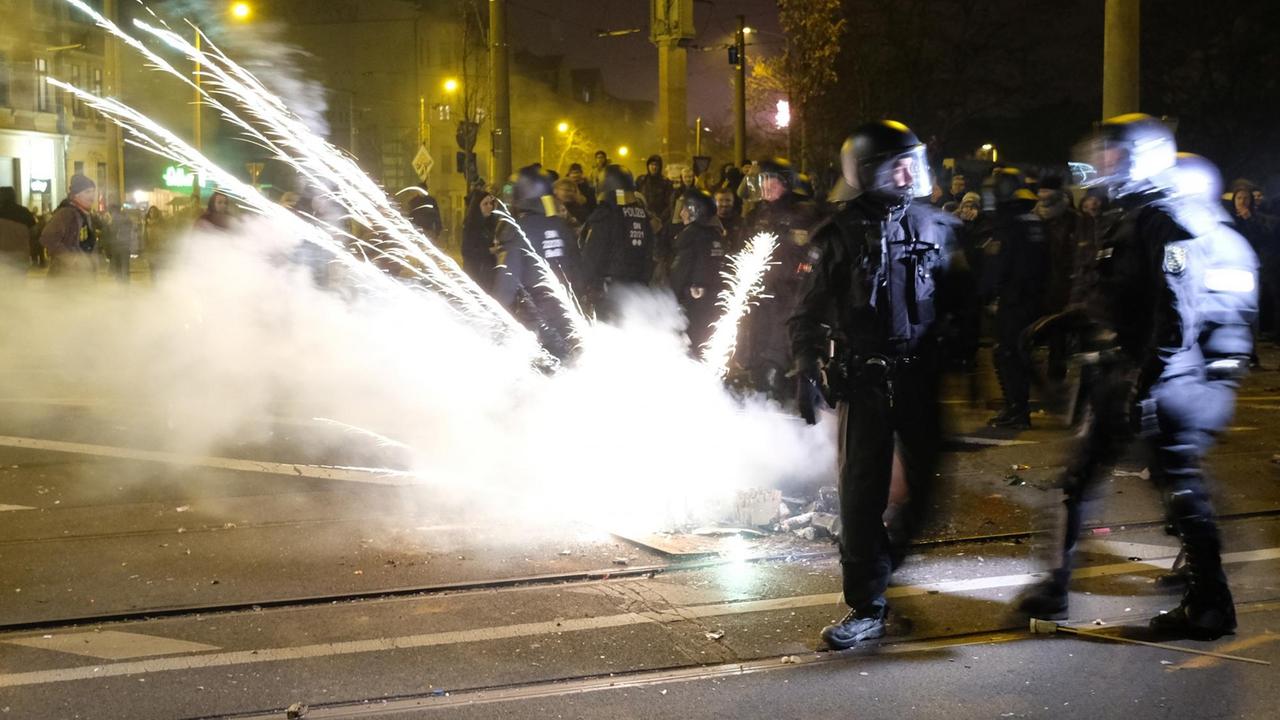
(1121, 40)
(671, 29)
(501, 90)
(115, 136)
(740, 97)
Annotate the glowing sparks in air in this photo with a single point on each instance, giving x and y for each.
(745, 283)
(396, 242)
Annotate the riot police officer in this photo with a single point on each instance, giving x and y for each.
(540, 242)
(1172, 293)
(876, 293)
(617, 240)
(1017, 270)
(785, 213)
(699, 260)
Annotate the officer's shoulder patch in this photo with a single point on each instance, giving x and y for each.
(1175, 259)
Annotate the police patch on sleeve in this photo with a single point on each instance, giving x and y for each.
(1175, 259)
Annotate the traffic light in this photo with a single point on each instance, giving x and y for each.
(465, 163)
(733, 55)
(466, 135)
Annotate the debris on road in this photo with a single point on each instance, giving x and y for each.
(714, 635)
(296, 710)
(756, 507)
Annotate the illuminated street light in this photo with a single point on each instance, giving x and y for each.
(562, 128)
(747, 31)
(623, 151)
(451, 85)
(241, 10)
(782, 117)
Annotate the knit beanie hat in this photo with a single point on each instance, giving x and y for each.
(80, 183)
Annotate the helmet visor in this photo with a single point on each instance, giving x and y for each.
(904, 174)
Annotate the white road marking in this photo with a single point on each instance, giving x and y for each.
(111, 645)
(996, 442)
(319, 472)
(7, 508)
(553, 627)
(1120, 549)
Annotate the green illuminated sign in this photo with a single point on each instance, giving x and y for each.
(181, 178)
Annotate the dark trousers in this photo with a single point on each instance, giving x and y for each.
(870, 427)
(1183, 416)
(1013, 364)
(702, 313)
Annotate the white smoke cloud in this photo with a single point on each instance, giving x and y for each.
(235, 336)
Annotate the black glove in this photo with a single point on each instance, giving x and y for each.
(809, 390)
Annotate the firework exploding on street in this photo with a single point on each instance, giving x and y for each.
(634, 431)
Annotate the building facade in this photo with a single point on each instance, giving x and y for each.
(45, 134)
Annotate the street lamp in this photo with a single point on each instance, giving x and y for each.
(241, 10)
(451, 85)
(624, 151)
(562, 128)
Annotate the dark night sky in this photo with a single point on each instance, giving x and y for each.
(630, 63)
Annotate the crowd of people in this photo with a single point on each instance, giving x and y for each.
(81, 237)
(1149, 275)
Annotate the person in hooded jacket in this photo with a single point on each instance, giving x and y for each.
(539, 243)
(617, 241)
(479, 228)
(70, 236)
(657, 190)
(1016, 272)
(1062, 228)
(17, 231)
(696, 273)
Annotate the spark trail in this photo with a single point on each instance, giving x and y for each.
(563, 294)
(291, 141)
(745, 283)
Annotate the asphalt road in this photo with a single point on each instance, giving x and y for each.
(467, 612)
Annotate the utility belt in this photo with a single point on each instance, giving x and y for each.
(846, 369)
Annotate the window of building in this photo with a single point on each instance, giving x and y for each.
(4, 79)
(77, 167)
(43, 103)
(96, 87)
(77, 107)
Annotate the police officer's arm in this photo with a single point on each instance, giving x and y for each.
(507, 279)
(682, 268)
(808, 324)
(596, 248)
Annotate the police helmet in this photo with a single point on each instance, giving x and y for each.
(618, 187)
(779, 168)
(1006, 185)
(804, 186)
(532, 192)
(1129, 153)
(886, 158)
(1195, 177)
(700, 206)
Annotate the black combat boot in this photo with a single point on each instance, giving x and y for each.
(1013, 417)
(856, 627)
(1207, 611)
(1047, 599)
